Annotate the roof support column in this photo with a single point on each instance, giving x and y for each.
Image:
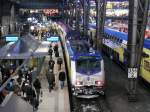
(100, 22)
(77, 14)
(138, 10)
(86, 8)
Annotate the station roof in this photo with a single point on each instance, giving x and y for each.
(41, 4)
(25, 47)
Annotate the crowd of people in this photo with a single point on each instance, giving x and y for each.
(50, 74)
(6, 70)
(23, 85)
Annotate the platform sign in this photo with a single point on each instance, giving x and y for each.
(132, 72)
(11, 38)
(53, 39)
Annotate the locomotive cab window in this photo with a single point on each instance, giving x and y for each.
(84, 66)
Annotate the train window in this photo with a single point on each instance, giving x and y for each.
(120, 40)
(94, 65)
(81, 66)
(145, 55)
(147, 65)
(107, 36)
(84, 66)
(113, 38)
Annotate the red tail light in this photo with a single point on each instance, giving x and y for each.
(99, 83)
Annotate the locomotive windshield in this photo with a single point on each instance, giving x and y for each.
(88, 67)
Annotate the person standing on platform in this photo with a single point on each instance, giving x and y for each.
(62, 78)
(37, 86)
(59, 62)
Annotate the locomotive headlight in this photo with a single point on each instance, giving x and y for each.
(99, 83)
(79, 83)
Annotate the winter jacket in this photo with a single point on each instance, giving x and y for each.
(62, 76)
(50, 77)
(59, 61)
(37, 84)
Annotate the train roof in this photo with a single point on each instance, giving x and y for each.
(116, 33)
(124, 36)
(121, 35)
(78, 48)
(73, 34)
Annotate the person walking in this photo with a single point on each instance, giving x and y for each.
(37, 86)
(59, 62)
(56, 48)
(51, 79)
(62, 78)
(30, 93)
(56, 54)
(51, 64)
(50, 52)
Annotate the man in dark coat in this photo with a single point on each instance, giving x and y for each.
(50, 51)
(59, 62)
(56, 54)
(51, 64)
(51, 79)
(37, 86)
(56, 47)
(62, 78)
(30, 93)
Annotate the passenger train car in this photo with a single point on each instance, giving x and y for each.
(115, 46)
(85, 66)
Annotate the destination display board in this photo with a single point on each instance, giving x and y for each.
(11, 38)
(53, 39)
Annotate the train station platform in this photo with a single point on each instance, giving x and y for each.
(58, 99)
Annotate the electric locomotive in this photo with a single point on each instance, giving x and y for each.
(85, 65)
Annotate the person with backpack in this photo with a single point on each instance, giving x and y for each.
(62, 78)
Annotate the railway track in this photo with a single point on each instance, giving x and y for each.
(90, 105)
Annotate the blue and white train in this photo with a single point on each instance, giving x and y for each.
(85, 66)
